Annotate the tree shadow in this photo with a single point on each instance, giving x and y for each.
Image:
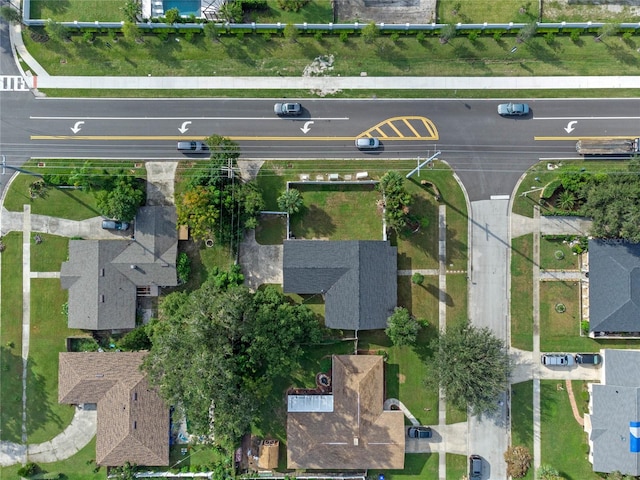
(623, 55)
(313, 222)
(39, 412)
(435, 292)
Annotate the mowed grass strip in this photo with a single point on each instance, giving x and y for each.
(561, 331)
(11, 334)
(46, 418)
(550, 259)
(522, 292)
(522, 417)
(82, 11)
(259, 55)
(457, 466)
(417, 466)
(556, 416)
(48, 255)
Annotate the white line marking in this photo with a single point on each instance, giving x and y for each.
(586, 118)
(499, 197)
(182, 118)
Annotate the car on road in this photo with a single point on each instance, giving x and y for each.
(557, 359)
(475, 467)
(287, 109)
(114, 225)
(419, 432)
(367, 143)
(588, 358)
(513, 109)
(192, 147)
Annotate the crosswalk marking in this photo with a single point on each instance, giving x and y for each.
(13, 83)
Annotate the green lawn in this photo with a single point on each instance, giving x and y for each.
(316, 11)
(406, 371)
(254, 54)
(83, 11)
(45, 416)
(11, 335)
(561, 331)
(417, 466)
(522, 292)
(457, 312)
(49, 255)
(466, 11)
(271, 230)
(550, 260)
(457, 466)
(338, 212)
(420, 300)
(522, 417)
(571, 459)
(79, 467)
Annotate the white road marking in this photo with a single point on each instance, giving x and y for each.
(182, 118)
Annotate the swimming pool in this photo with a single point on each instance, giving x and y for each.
(186, 7)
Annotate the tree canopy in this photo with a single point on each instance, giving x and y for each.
(402, 328)
(216, 352)
(472, 367)
(396, 200)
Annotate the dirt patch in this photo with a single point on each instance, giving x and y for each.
(386, 11)
(401, 378)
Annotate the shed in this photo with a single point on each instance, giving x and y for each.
(268, 456)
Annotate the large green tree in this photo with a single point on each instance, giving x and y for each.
(402, 328)
(396, 200)
(122, 200)
(217, 351)
(472, 367)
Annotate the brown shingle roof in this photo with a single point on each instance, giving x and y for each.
(358, 434)
(133, 421)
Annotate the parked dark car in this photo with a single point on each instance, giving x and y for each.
(114, 225)
(420, 432)
(475, 467)
(588, 358)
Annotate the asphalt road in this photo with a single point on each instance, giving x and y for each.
(487, 151)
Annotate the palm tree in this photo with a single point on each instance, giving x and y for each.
(290, 201)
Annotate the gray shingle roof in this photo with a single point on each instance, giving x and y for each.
(357, 278)
(614, 286)
(614, 404)
(102, 275)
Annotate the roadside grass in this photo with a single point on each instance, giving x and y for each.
(45, 416)
(386, 93)
(338, 212)
(522, 417)
(49, 255)
(457, 466)
(406, 373)
(548, 259)
(272, 421)
(417, 466)
(255, 55)
(271, 229)
(457, 312)
(454, 11)
(82, 11)
(556, 416)
(11, 334)
(522, 292)
(78, 467)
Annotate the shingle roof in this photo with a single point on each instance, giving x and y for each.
(357, 279)
(358, 434)
(614, 286)
(614, 404)
(133, 421)
(102, 275)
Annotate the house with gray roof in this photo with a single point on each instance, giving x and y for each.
(132, 419)
(105, 277)
(358, 279)
(614, 287)
(613, 422)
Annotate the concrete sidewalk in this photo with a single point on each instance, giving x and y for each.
(42, 79)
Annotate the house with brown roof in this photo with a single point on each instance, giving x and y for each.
(133, 421)
(348, 428)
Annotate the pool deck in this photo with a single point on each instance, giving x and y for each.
(155, 8)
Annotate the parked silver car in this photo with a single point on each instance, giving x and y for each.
(287, 109)
(557, 359)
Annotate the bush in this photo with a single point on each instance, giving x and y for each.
(550, 188)
(518, 460)
(575, 36)
(183, 267)
(584, 327)
(549, 38)
(344, 36)
(497, 36)
(318, 35)
(28, 469)
(417, 278)
(473, 36)
(420, 37)
(395, 36)
(136, 340)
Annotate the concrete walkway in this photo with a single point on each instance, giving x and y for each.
(42, 79)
